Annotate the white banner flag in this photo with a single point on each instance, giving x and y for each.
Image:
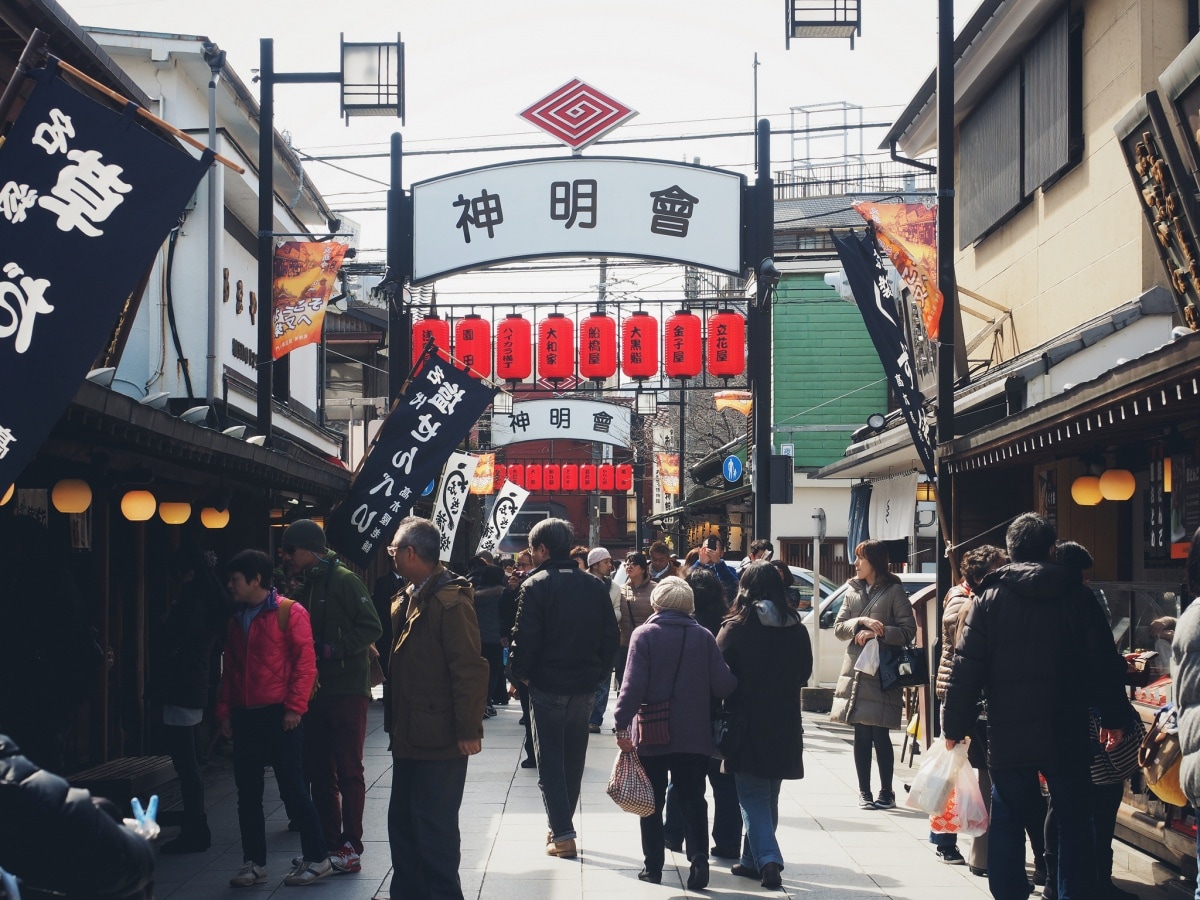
(893, 507)
(456, 484)
(509, 500)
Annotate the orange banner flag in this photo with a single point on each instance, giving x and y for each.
(908, 234)
(304, 274)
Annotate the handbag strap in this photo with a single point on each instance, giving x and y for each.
(678, 664)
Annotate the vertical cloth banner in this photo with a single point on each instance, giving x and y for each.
(451, 497)
(303, 276)
(858, 529)
(485, 473)
(509, 500)
(893, 507)
(433, 414)
(868, 281)
(908, 233)
(87, 196)
(668, 472)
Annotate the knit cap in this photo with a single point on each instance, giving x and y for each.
(306, 535)
(673, 593)
(596, 555)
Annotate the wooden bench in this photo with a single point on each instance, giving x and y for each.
(124, 778)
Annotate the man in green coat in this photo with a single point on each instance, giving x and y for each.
(345, 626)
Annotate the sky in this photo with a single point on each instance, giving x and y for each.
(472, 65)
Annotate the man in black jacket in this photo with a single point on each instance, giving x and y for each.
(564, 639)
(1035, 643)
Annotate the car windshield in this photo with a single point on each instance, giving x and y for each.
(831, 606)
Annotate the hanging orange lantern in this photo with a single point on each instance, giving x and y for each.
(639, 345)
(597, 347)
(514, 342)
(138, 505)
(473, 344)
(587, 477)
(430, 327)
(570, 477)
(683, 356)
(556, 347)
(726, 344)
(606, 477)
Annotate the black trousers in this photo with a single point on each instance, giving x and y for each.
(423, 828)
(686, 772)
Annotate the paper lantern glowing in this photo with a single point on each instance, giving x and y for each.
(1117, 484)
(71, 495)
(174, 513)
(214, 518)
(1085, 490)
(138, 506)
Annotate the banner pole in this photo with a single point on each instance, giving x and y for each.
(35, 48)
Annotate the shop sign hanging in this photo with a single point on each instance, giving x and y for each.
(579, 420)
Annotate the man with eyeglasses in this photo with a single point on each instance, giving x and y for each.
(345, 627)
(563, 642)
(439, 690)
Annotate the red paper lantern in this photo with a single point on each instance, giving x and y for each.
(624, 477)
(550, 477)
(727, 344)
(473, 343)
(639, 345)
(587, 477)
(684, 352)
(556, 347)
(606, 478)
(499, 475)
(516, 474)
(597, 347)
(570, 477)
(430, 326)
(533, 477)
(514, 348)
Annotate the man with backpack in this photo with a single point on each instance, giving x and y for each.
(268, 675)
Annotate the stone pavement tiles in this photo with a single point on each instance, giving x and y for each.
(831, 848)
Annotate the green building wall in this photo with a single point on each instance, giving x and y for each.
(826, 371)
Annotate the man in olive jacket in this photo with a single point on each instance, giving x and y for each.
(439, 689)
(345, 626)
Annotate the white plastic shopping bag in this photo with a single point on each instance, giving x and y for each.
(868, 660)
(972, 806)
(935, 779)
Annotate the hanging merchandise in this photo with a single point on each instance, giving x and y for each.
(430, 327)
(597, 347)
(683, 355)
(726, 344)
(555, 347)
(514, 343)
(639, 346)
(473, 344)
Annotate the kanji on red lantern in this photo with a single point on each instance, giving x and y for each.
(639, 345)
(516, 474)
(597, 347)
(550, 477)
(624, 477)
(556, 347)
(533, 477)
(570, 477)
(606, 477)
(499, 475)
(514, 348)
(683, 355)
(473, 344)
(430, 326)
(726, 344)
(587, 477)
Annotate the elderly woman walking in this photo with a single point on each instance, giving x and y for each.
(876, 607)
(769, 653)
(673, 658)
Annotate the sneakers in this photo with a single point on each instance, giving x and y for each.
(249, 874)
(489, 711)
(886, 800)
(866, 801)
(561, 849)
(307, 873)
(950, 856)
(593, 729)
(345, 859)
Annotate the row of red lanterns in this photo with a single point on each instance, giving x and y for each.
(566, 477)
(683, 352)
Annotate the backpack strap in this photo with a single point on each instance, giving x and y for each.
(284, 612)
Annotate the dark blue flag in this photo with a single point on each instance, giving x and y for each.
(880, 312)
(429, 420)
(87, 196)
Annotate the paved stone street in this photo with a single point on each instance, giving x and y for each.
(832, 849)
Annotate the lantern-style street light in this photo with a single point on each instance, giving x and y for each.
(372, 81)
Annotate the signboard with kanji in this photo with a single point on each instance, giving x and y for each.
(581, 206)
(577, 420)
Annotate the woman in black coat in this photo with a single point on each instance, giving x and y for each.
(768, 650)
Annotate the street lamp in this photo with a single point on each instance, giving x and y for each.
(372, 82)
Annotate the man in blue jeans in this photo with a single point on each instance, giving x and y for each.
(563, 642)
(1035, 642)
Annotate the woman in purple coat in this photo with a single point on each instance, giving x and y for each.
(672, 657)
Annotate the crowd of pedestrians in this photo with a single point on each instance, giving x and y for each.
(1027, 674)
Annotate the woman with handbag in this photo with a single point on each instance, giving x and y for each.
(768, 650)
(672, 671)
(876, 607)
(635, 605)
(1185, 675)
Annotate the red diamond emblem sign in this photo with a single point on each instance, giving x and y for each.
(577, 114)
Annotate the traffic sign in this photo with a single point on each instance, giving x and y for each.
(731, 468)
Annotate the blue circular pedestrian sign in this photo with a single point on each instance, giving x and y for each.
(731, 468)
